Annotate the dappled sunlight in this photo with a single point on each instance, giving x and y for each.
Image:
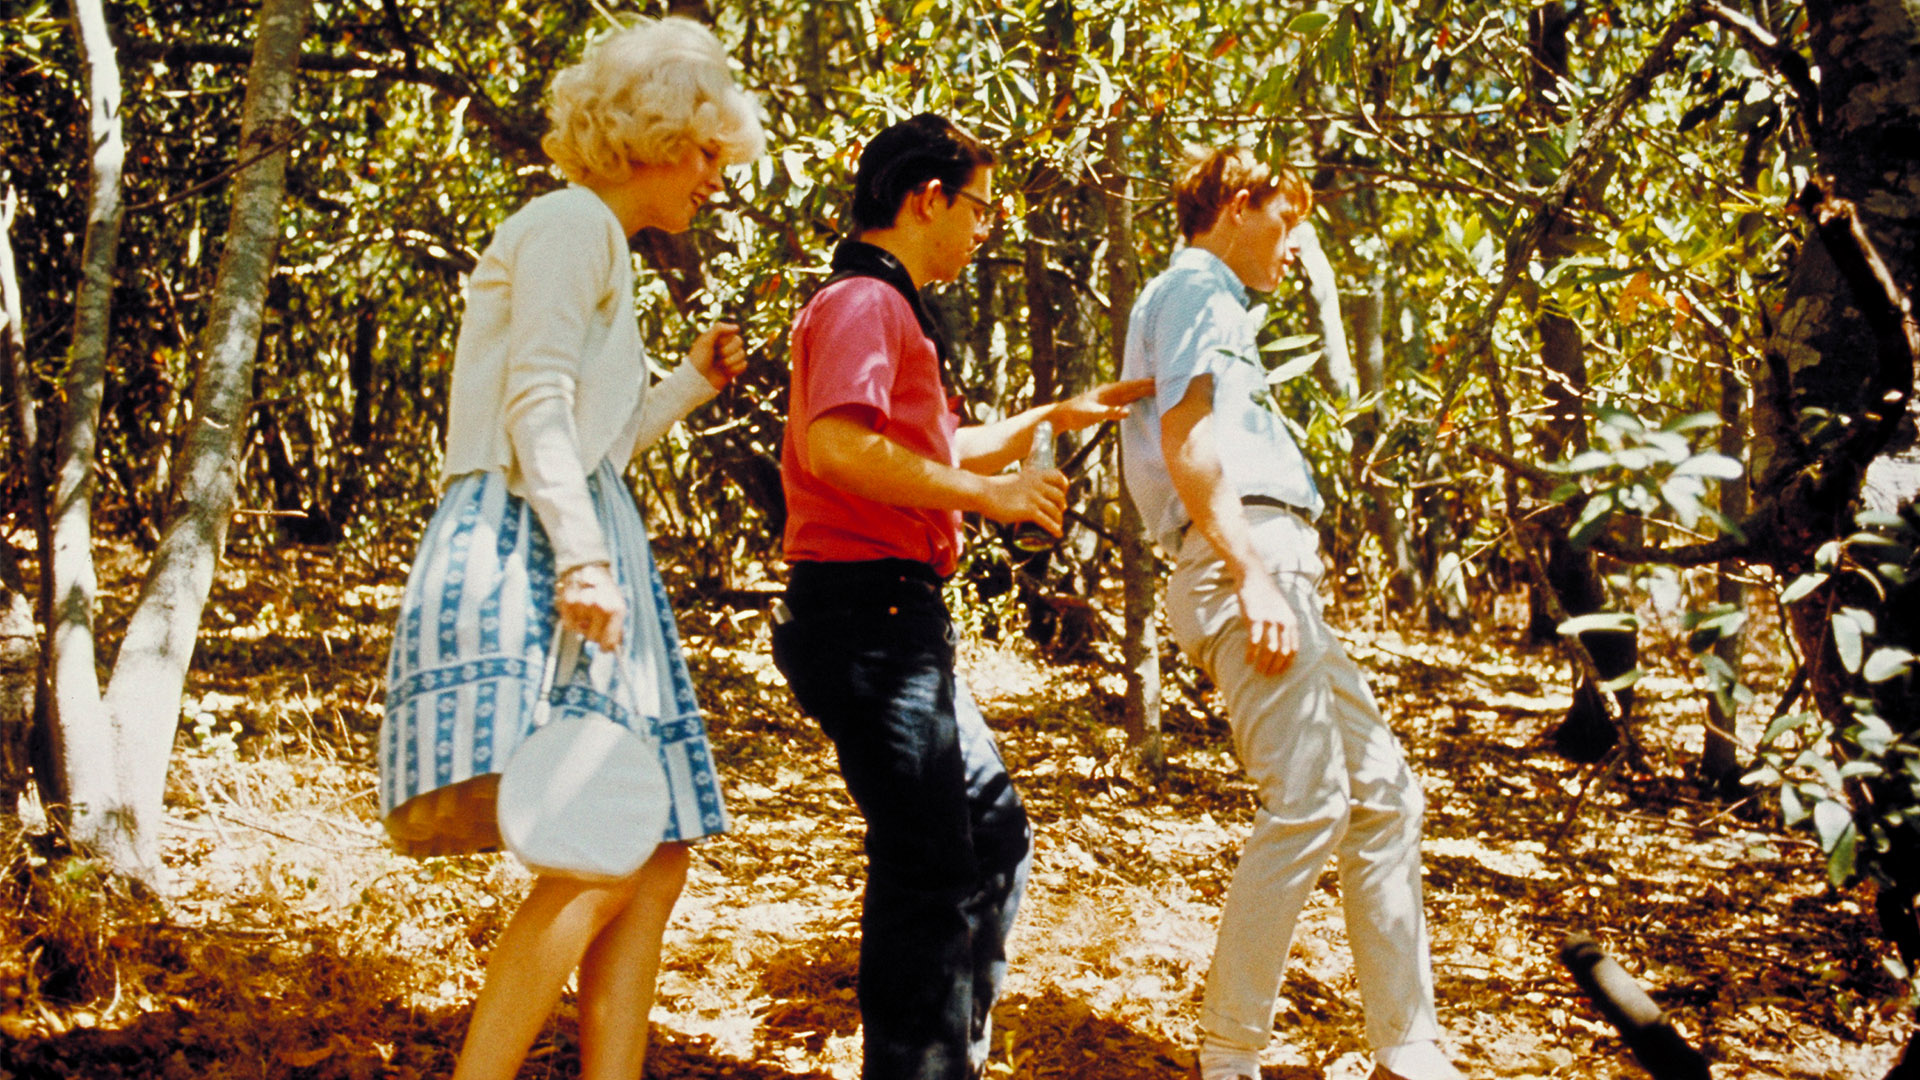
(294, 944)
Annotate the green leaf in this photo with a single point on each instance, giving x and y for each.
(1847, 640)
(1801, 586)
(1842, 861)
(1718, 466)
(1293, 369)
(1292, 341)
(1593, 517)
(1792, 810)
(1622, 682)
(1864, 617)
(1873, 735)
(1682, 493)
(1887, 662)
(1619, 420)
(1783, 724)
(1692, 421)
(1599, 620)
(1308, 23)
(1831, 819)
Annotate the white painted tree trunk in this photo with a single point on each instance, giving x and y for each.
(1336, 360)
(19, 635)
(142, 701)
(82, 734)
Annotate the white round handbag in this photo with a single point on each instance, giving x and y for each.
(583, 796)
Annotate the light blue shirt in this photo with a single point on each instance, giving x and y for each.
(1192, 320)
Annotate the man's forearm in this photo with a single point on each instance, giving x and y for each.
(861, 461)
(988, 448)
(1216, 512)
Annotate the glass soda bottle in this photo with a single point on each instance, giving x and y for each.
(1028, 536)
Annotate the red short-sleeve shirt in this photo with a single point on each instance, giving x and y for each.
(857, 345)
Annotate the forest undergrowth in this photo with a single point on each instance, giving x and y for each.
(291, 944)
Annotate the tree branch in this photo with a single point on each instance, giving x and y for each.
(513, 133)
(1769, 50)
(1725, 547)
(1524, 469)
(1713, 551)
(1525, 241)
(1887, 309)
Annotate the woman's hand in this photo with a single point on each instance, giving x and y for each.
(591, 605)
(719, 354)
(1108, 401)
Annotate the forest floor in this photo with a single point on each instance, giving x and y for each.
(291, 943)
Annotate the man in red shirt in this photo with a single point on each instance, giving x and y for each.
(878, 470)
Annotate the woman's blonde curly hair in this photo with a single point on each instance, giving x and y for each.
(643, 94)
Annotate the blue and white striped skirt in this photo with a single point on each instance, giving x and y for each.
(470, 655)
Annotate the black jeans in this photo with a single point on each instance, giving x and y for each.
(869, 654)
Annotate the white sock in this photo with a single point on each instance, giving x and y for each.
(1421, 1060)
(1218, 1061)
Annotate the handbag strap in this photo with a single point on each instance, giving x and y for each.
(567, 644)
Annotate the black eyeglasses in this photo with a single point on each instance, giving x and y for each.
(992, 211)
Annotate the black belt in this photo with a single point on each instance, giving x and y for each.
(1257, 500)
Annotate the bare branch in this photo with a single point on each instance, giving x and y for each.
(1525, 469)
(1713, 551)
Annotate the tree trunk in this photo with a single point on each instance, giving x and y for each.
(19, 668)
(1586, 733)
(1140, 648)
(1336, 361)
(20, 665)
(1720, 766)
(1404, 584)
(143, 696)
(81, 782)
(1822, 408)
(1042, 307)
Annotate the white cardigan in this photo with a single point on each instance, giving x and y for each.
(549, 375)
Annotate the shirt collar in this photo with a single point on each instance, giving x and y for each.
(1203, 261)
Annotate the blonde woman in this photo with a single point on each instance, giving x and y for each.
(537, 532)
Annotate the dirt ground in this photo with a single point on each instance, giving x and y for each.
(292, 944)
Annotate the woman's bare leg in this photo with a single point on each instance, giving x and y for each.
(620, 968)
(529, 968)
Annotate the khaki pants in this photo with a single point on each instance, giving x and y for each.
(1332, 782)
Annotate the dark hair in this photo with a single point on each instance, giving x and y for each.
(905, 156)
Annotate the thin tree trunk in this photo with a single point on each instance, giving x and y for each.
(1404, 583)
(20, 666)
(1140, 649)
(150, 673)
(1336, 361)
(1720, 764)
(82, 776)
(1042, 311)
